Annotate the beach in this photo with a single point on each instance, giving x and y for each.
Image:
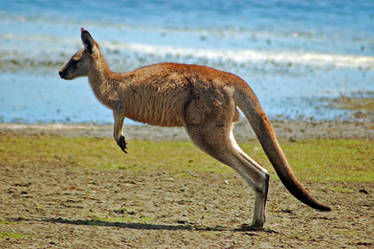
(70, 186)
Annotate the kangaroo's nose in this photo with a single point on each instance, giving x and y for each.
(61, 73)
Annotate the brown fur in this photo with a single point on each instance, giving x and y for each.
(201, 99)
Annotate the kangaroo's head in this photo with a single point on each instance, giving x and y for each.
(81, 62)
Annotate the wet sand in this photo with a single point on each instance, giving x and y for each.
(285, 130)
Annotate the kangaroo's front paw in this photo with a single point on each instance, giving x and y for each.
(122, 143)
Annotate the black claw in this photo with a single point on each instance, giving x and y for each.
(122, 144)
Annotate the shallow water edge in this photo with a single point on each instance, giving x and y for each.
(285, 130)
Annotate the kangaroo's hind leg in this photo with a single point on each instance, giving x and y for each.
(217, 141)
(261, 197)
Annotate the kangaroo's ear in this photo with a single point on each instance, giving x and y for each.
(87, 40)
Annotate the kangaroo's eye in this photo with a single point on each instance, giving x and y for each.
(75, 61)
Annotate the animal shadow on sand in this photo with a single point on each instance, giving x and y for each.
(142, 226)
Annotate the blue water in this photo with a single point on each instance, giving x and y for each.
(298, 56)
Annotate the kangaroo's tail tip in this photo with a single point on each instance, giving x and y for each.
(319, 206)
(324, 208)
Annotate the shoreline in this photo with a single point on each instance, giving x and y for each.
(285, 130)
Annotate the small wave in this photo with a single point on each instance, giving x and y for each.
(51, 51)
(240, 56)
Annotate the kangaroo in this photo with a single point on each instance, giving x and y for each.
(201, 99)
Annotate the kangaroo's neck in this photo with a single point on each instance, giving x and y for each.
(101, 80)
(99, 72)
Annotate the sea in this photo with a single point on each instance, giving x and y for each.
(300, 57)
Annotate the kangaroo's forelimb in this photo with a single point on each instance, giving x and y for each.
(117, 131)
(122, 144)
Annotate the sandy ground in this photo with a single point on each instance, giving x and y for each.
(60, 207)
(289, 130)
(56, 206)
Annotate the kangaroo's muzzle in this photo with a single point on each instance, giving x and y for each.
(61, 73)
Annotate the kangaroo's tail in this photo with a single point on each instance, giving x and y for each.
(249, 104)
